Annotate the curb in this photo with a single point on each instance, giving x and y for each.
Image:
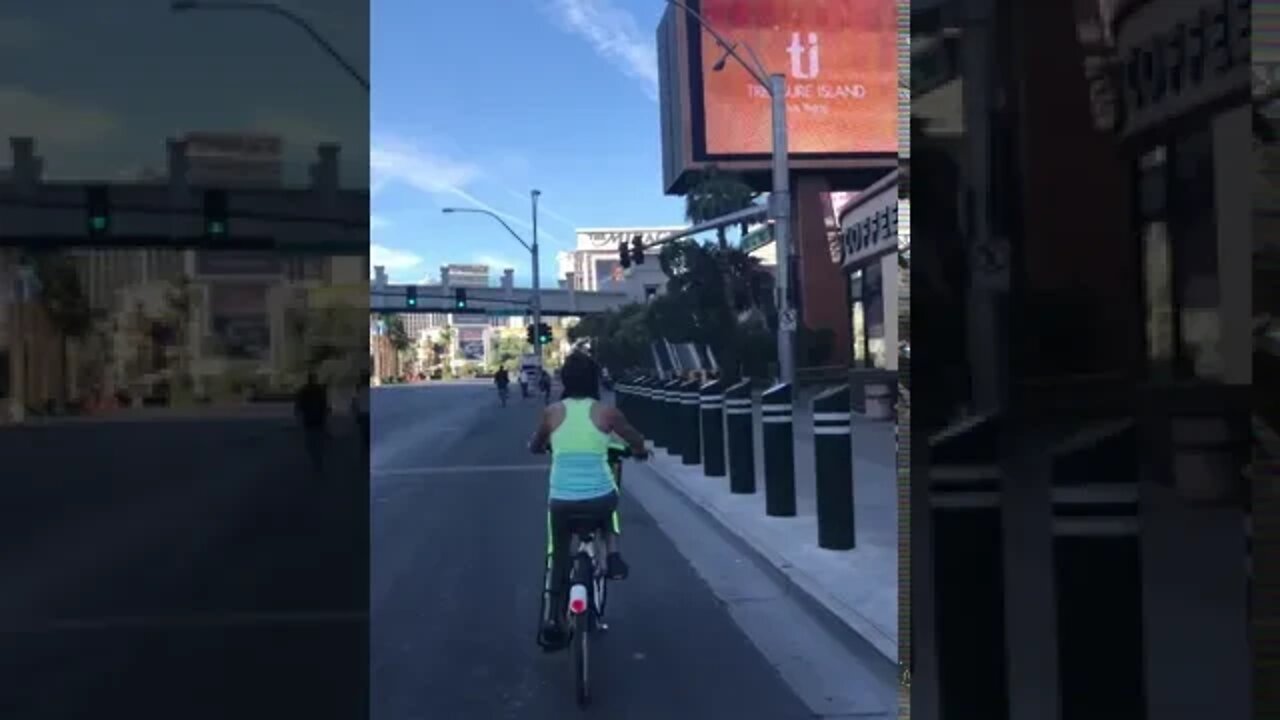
(858, 633)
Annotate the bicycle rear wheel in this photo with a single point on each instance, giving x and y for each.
(582, 626)
(582, 658)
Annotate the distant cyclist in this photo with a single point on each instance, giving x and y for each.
(579, 430)
(544, 384)
(503, 381)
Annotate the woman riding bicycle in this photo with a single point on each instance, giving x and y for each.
(579, 430)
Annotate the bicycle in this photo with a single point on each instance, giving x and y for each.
(588, 584)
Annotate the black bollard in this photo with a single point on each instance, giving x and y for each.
(620, 396)
(779, 452)
(711, 406)
(1098, 571)
(658, 414)
(833, 466)
(671, 416)
(964, 500)
(644, 397)
(741, 444)
(691, 448)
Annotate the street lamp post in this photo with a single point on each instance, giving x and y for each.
(280, 11)
(537, 287)
(533, 254)
(775, 84)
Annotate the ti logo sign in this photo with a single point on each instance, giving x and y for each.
(799, 52)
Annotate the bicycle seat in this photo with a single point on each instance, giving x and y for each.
(585, 524)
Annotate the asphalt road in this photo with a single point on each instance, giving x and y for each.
(458, 533)
(181, 569)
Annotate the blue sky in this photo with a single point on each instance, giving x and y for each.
(474, 103)
(100, 86)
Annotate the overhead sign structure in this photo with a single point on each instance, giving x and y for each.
(840, 59)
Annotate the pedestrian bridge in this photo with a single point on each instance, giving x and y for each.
(392, 298)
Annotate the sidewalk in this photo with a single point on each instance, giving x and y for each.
(860, 586)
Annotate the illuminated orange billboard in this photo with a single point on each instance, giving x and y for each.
(841, 62)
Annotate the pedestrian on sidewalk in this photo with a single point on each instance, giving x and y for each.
(311, 406)
(360, 409)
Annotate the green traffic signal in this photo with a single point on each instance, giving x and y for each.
(98, 207)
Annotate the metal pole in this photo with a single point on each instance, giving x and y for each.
(780, 210)
(298, 20)
(537, 294)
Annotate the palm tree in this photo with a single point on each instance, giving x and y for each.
(181, 304)
(65, 304)
(716, 194)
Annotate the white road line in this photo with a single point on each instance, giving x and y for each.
(461, 469)
(222, 620)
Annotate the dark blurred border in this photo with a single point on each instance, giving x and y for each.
(1090, 307)
(184, 238)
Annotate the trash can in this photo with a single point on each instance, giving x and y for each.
(879, 401)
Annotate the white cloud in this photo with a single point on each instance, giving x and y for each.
(615, 35)
(25, 114)
(544, 211)
(392, 160)
(391, 258)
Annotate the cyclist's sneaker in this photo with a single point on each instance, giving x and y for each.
(618, 569)
(553, 636)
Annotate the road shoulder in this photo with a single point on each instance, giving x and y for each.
(829, 668)
(856, 588)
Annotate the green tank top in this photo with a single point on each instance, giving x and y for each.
(579, 455)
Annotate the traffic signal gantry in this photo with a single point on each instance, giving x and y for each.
(633, 254)
(543, 333)
(97, 204)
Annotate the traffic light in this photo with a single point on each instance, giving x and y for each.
(411, 296)
(624, 255)
(460, 298)
(637, 250)
(98, 208)
(215, 213)
(528, 334)
(544, 333)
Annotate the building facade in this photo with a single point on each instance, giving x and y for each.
(175, 311)
(594, 265)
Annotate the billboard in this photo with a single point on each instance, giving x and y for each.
(471, 343)
(840, 60)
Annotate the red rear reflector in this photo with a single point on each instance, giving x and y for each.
(577, 607)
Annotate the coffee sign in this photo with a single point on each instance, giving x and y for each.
(1178, 56)
(870, 229)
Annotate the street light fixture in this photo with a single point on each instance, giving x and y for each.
(775, 84)
(533, 254)
(178, 6)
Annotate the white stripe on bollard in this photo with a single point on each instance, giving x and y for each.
(831, 430)
(776, 419)
(831, 417)
(1095, 526)
(778, 407)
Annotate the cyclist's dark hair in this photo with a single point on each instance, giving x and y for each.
(580, 376)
